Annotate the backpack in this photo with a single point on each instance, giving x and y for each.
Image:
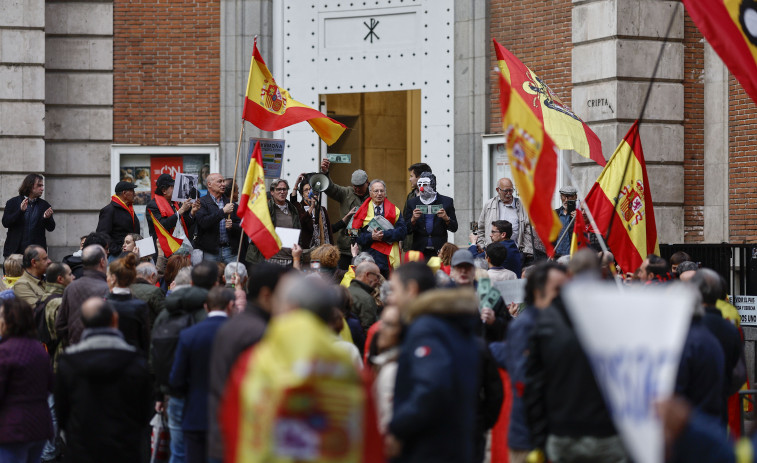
(40, 321)
(165, 338)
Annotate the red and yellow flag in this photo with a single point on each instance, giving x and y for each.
(730, 26)
(621, 203)
(270, 107)
(533, 160)
(253, 208)
(168, 243)
(562, 125)
(580, 238)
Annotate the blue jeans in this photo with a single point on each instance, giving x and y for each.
(50, 451)
(175, 411)
(225, 255)
(24, 452)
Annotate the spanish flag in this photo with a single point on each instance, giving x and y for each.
(533, 160)
(562, 125)
(580, 238)
(168, 243)
(730, 26)
(269, 107)
(621, 202)
(253, 208)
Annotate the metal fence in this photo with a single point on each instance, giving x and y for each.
(737, 263)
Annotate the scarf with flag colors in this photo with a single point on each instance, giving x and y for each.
(621, 203)
(533, 160)
(296, 396)
(167, 242)
(730, 26)
(253, 208)
(166, 210)
(363, 217)
(129, 208)
(270, 107)
(562, 125)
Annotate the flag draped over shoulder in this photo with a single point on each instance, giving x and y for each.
(533, 160)
(730, 26)
(566, 129)
(270, 107)
(167, 242)
(621, 203)
(253, 208)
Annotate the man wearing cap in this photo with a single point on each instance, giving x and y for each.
(118, 219)
(429, 230)
(562, 245)
(169, 214)
(348, 198)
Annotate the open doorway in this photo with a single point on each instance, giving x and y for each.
(383, 138)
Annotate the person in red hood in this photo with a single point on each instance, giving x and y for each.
(118, 219)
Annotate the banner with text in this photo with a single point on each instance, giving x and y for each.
(747, 306)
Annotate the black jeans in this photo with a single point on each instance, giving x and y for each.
(195, 446)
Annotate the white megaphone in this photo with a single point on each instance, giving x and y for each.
(319, 183)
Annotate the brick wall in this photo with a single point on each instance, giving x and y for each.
(693, 129)
(166, 66)
(539, 33)
(742, 133)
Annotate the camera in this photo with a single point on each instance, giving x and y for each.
(570, 205)
(474, 227)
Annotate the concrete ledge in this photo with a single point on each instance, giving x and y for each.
(9, 184)
(78, 193)
(69, 227)
(79, 54)
(22, 82)
(22, 46)
(626, 58)
(77, 158)
(666, 183)
(22, 13)
(79, 124)
(669, 222)
(22, 119)
(595, 20)
(80, 18)
(649, 18)
(22, 155)
(79, 89)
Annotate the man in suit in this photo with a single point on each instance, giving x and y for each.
(382, 245)
(429, 230)
(190, 371)
(27, 216)
(118, 219)
(215, 227)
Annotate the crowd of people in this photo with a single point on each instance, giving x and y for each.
(365, 341)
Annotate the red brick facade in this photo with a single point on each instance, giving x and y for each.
(166, 71)
(693, 133)
(742, 134)
(539, 32)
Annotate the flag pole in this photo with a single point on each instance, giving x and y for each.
(236, 165)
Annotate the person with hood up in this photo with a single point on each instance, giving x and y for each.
(429, 230)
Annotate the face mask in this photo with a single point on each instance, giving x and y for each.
(425, 189)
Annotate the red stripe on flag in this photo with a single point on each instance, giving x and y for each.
(595, 146)
(269, 122)
(258, 232)
(230, 408)
(541, 213)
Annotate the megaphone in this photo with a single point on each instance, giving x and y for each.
(319, 183)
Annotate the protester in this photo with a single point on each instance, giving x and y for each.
(415, 173)
(327, 257)
(27, 216)
(189, 374)
(59, 276)
(505, 206)
(144, 288)
(102, 392)
(566, 214)
(30, 287)
(348, 198)
(388, 342)
(283, 214)
(13, 268)
(352, 330)
(496, 256)
(75, 261)
(25, 382)
(133, 313)
(169, 214)
(542, 286)
(676, 259)
(429, 231)
(367, 278)
(235, 275)
(336, 323)
(68, 325)
(213, 223)
(118, 219)
(654, 270)
(236, 221)
(381, 243)
(174, 263)
(310, 234)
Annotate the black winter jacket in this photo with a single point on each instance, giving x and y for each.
(117, 222)
(133, 320)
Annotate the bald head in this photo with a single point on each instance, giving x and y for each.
(94, 257)
(98, 313)
(368, 273)
(216, 184)
(505, 190)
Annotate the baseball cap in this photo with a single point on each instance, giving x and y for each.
(164, 180)
(359, 177)
(123, 186)
(461, 256)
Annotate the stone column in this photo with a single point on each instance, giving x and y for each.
(615, 46)
(22, 94)
(715, 148)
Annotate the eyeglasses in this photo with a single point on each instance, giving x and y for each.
(281, 189)
(507, 191)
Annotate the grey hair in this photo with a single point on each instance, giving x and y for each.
(146, 270)
(686, 266)
(311, 294)
(376, 181)
(235, 267)
(276, 182)
(183, 278)
(362, 257)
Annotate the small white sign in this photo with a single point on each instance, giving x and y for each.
(747, 306)
(511, 290)
(146, 247)
(288, 236)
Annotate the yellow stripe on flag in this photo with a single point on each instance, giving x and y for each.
(167, 242)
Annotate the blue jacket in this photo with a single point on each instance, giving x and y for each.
(700, 373)
(436, 391)
(512, 355)
(395, 235)
(191, 371)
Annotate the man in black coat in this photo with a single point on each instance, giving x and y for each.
(214, 224)
(429, 230)
(27, 216)
(103, 392)
(118, 219)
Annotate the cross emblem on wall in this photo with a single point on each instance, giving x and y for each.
(371, 30)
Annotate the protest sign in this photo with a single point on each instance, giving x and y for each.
(272, 150)
(146, 247)
(288, 236)
(429, 209)
(511, 290)
(185, 188)
(633, 340)
(747, 307)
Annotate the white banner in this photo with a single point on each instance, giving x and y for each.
(747, 309)
(634, 341)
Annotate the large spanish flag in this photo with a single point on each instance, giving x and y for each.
(253, 208)
(270, 107)
(167, 242)
(621, 203)
(730, 26)
(533, 160)
(562, 125)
